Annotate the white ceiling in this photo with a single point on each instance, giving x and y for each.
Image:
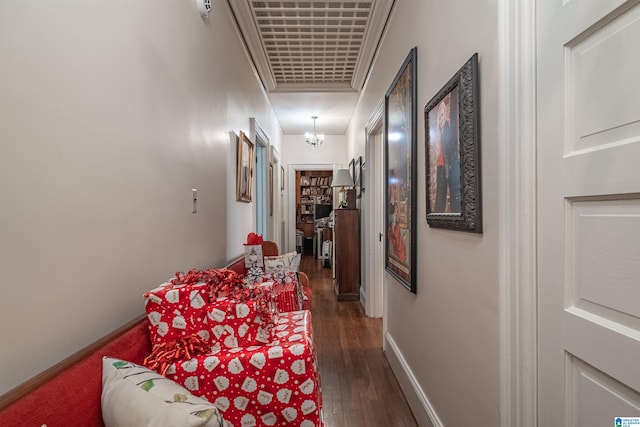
(312, 56)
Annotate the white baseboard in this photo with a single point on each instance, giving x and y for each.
(422, 409)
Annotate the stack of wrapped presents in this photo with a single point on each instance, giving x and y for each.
(242, 342)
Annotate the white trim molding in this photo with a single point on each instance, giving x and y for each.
(420, 405)
(243, 18)
(377, 25)
(373, 298)
(517, 211)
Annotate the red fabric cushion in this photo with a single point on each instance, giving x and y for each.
(73, 397)
(238, 266)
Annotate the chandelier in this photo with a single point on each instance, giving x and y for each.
(314, 139)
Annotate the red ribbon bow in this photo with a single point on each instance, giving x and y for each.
(254, 239)
(165, 354)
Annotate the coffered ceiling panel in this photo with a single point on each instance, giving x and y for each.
(312, 43)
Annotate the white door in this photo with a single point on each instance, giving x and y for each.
(588, 101)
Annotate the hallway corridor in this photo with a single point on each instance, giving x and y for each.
(358, 387)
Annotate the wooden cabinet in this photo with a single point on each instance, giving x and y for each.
(346, 238)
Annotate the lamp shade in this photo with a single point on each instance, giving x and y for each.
(342, 178)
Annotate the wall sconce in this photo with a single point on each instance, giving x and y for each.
(342, 178)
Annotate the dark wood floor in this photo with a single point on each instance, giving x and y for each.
(358, 386)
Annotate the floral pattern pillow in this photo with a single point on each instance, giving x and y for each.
(286, 262)
(134, 396)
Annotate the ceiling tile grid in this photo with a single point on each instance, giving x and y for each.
(312, 42)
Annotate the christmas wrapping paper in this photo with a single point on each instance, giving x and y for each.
(270, 385)
(176, 311)
(239, 323)
(287, 297)
(286, 288)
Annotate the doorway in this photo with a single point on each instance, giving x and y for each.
(291, 202)
(372, 257)
(314, 206)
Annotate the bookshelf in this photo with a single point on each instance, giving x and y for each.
(313, 191)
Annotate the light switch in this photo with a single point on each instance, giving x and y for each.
(194, 200)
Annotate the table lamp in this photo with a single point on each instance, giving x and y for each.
(346, 197)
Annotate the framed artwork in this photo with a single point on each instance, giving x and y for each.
(281, 179)
(363, 169)
(244, 170)
(352, 169)
(271, 185)
(357, 177)
(452, 147)
(400, 146)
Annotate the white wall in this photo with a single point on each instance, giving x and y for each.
(110, 113)
(296, 151)
(447, 334)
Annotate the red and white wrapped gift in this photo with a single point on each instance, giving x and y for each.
(287, 296)
(177, 310)
(286, 288)
(245, 323)
(271, 385)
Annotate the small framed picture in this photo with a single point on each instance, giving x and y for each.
(244, 176)
(357, 177)
(281, 179)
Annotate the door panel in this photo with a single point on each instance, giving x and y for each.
(604, 236)
(587, 384)
(588, 211)
(597, 63)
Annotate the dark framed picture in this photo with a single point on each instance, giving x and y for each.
(357, 177)
(452, 146)
(271, 185)
(281, 179)
(401, 146)
(244, 170)
(352, 169)
(363, 168)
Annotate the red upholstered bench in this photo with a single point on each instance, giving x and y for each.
(69, 393)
